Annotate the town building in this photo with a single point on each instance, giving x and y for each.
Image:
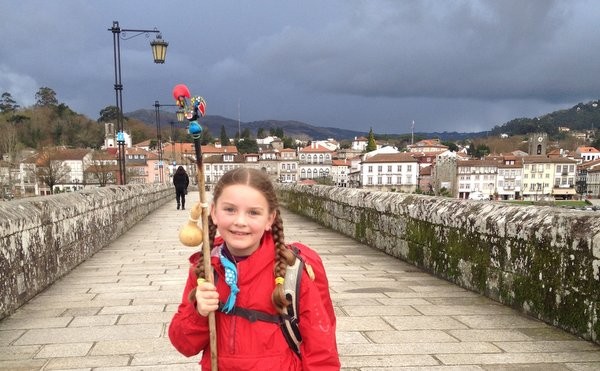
(588, 153)
(315, 161)
(548, 178)
(390, 172)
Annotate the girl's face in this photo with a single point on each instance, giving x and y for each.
(242, 216)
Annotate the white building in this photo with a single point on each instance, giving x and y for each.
(588, 153)
(288, 166)
(477, 176)
(359, 143)
(314, 161)
(390, 172)
(340, 172)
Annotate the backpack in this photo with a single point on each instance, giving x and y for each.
(306, 259)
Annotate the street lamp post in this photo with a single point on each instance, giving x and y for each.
(159, 52)
(180, 118)
(157, 106)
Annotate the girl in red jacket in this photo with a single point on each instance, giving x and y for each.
(250, 259)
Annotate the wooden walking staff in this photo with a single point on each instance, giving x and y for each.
(189, 234)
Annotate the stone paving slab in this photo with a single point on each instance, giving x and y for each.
(112, 312)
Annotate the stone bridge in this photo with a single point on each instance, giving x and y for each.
(85, 285)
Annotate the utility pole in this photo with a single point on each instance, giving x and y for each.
(239, 126)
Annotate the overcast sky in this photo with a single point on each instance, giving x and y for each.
(449, 65)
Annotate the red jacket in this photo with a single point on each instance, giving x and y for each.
(242, 345)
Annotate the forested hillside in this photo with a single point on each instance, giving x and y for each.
(583, 116)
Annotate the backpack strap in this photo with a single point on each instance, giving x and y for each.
(253, 315)
(291, 289)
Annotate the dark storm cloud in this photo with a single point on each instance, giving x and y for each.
(496, 50)
(448, 65)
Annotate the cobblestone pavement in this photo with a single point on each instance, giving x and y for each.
(112, 312)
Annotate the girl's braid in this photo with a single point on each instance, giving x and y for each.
(283, 258)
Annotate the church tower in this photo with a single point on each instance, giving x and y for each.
(109, 135)
(538, 144)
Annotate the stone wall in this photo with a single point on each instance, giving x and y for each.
(43, 238)
(541, 260)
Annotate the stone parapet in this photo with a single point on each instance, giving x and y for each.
(43, 238)
(541, 260)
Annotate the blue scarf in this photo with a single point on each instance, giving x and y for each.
(231, 278)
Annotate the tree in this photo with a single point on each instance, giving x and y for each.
(371, 144)
(45, 97)
(109, 114)
(246, 133)
(451, 146)
(50, 170)
(62, 110)
(7, 103)
(276, 132)
(479, 151)
(224, 137)
(102, 170)
(9, 142)
(288, 142)
(260, 133)
(247, 145)
(206, 137)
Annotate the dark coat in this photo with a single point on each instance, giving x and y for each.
(181, 180)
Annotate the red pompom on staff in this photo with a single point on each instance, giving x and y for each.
(191, 234)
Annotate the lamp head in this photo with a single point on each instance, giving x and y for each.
(159, 49)
(180, 115)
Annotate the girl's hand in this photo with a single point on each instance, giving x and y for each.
(207, 298)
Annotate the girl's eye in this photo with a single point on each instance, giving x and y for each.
(228, 209)
(254, 212)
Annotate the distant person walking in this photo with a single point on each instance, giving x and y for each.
(181, 180)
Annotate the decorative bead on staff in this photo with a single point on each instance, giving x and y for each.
(191, 234)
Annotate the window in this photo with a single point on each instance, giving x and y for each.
(389, 168)
(379, 180)
(379, 169)
(370, 169)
